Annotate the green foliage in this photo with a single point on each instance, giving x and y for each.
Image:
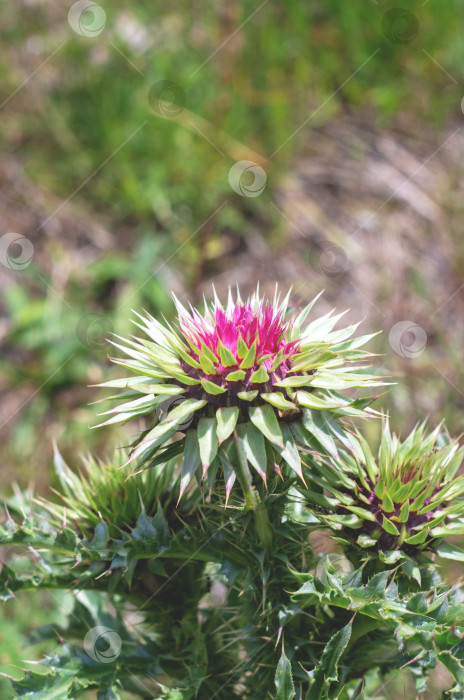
(426, 627)
(56, 342)
(103, 98)
(198, 608)
(193, 597)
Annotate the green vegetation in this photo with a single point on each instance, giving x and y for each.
(210, 586)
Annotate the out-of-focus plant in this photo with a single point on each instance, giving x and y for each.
(197, 576)
(56, 342)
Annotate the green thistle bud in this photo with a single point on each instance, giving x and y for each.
(408, 498)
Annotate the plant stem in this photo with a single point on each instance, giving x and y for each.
(252, 502)
(263, 525)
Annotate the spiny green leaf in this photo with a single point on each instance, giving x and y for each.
(326, 671)
(248, 395)
(278, 400)
(387, 503)
(242, 347)
(295, 380)
(283, 679)
(314, 425)
(290, 452)
(449, 551)
(311, 400)
(229, 474)
(184, 410)
(207, 352)
(227, 359)
(389, 527)
(206, 365)
(363, 513)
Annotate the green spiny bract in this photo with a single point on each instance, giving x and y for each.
(408, 498)
(245, 385)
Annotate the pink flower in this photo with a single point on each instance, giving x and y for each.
(258, 332)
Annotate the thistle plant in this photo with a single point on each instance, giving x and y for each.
(191, 557)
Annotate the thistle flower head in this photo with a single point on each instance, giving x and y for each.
(244, 384)
(239, 351)
(407, 498)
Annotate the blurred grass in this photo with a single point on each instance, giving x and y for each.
(126, 196)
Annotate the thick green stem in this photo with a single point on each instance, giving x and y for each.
(263, 526)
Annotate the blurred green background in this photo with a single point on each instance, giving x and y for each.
(119, 128)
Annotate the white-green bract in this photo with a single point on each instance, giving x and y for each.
(237, 389)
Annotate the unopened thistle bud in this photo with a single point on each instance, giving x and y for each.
(408, 497)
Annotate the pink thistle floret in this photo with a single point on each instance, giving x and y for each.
(241, 329)
(266, 326)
